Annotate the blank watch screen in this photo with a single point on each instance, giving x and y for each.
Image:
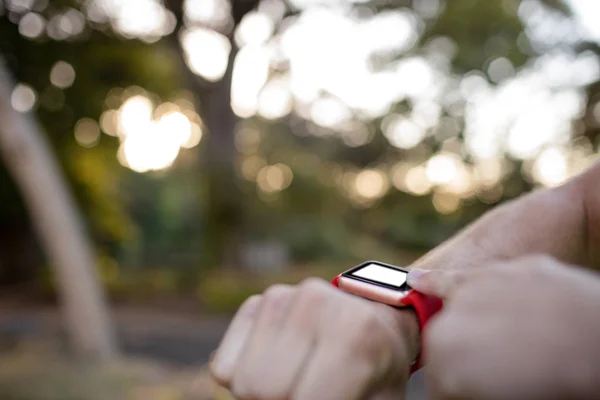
(381, 274)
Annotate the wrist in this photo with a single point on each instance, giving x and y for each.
(405, 324)
(411, 332)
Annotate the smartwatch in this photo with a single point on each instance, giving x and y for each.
(387, 284)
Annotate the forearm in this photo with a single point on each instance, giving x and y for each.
(563, 222)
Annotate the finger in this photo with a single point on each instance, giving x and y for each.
(297, 338)
(317, 382)
(225, 358)
(258, 358)
(436, 283)
(348, 360)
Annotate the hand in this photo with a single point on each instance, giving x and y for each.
(314, 341)
(527, 329)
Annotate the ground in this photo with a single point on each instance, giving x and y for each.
(165, 356)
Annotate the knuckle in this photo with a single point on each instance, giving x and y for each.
(312, 285)
(311, 294)
(276, 293)
(312, 291)
(250, 303)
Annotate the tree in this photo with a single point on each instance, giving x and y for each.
(224, 209)
(34, 168)
(462, 38)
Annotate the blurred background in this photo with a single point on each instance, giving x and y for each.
(165, 159)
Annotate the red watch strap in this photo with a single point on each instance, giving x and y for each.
(426, 307)
(335, 281)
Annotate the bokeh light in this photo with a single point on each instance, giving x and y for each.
(274, 178)
(274, 9)
(446, 202)
(251, 166)
(32, 25)
(347, 73)
(587, 12)
(178, 124)
(207, 52)
(109, 122)
(329, 112)
(344, 69)
(443, 168)
(65, 25)
(417, 181)
(247, 139)
(254, 29)
(371, 184)
(87, 132)
(144, 19)
(150, 149)
(195, 137)
(23, 98)
(151, 137)
(275, 100)
(19, 6)
(135, 114)
(62, 75)
(250, 73)
(489, 171)
(215, 14)
(500, 69)
(550, 167)
(402, 132)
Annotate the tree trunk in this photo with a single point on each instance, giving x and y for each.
(224, 214)
(224, 218)
(53, 213)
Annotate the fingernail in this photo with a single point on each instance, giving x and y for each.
(415, 275)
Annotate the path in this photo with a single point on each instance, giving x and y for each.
(177, 338)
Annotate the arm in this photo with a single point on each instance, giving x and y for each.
(563, 222)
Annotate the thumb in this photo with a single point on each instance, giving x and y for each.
(436, 283)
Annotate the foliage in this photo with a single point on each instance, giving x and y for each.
(147, 221)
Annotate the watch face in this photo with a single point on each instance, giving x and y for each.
(380, 274)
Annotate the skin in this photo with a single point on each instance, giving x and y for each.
(309, 340)
(313, 341)
(524, 329)
(563, 222)
(490, 325)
